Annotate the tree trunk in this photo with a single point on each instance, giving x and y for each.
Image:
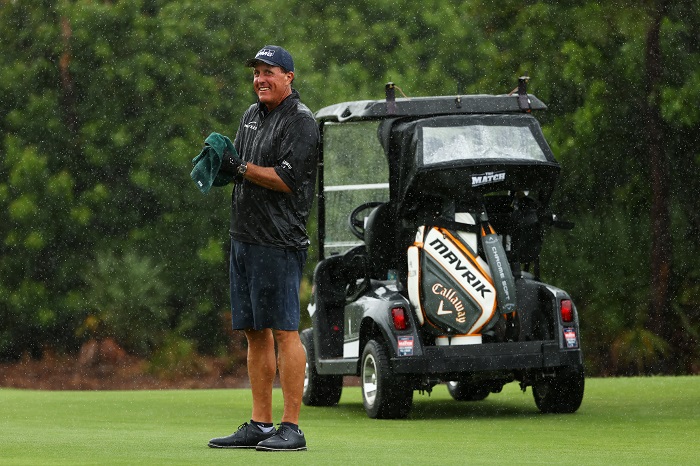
(68, 104)
(660, 179)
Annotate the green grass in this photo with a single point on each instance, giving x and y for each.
(622, 421)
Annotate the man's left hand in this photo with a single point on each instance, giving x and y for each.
(231, 163)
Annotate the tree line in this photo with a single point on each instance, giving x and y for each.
(104, 103)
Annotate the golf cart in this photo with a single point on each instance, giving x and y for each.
(431, 217)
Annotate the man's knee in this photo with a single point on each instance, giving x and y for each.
(259, 338)
(285, 333)
(286, 336)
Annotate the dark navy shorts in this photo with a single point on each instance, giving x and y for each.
(265, 286)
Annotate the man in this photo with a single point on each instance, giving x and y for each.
(278, 142)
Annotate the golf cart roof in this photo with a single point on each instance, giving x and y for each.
(427, 106)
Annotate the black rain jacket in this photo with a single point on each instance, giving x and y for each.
(287, 138)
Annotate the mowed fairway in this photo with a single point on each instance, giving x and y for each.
(622, 421)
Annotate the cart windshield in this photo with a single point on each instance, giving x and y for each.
(355, 171)
(474, 142)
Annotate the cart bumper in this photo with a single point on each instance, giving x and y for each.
(438, 360)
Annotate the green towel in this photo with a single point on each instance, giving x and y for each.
(205, 173)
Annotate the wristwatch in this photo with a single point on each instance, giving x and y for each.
(242, 168)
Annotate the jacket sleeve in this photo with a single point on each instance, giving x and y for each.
(298, 152)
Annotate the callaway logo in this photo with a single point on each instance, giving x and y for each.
(441, 311)
(491, 240)
(265, 53)
(452, 297)
(488, 178)
(286, 165)
(252, 125)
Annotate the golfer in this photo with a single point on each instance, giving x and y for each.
(275, 171)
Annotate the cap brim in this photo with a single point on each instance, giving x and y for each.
(254, 61)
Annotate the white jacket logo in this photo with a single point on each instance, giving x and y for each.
(252, 125)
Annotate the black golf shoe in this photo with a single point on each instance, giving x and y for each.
(285, 439)
(247, 436)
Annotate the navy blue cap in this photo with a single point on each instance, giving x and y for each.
(273, 55)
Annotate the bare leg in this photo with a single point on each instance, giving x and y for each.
(291, 362)
(261, 372)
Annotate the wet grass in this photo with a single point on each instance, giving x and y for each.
(622, 421)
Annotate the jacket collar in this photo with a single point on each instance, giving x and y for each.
(287, 101)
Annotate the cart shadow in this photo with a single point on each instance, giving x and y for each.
(450, 409)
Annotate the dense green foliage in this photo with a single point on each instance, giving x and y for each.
(630, 421)
(104, 104)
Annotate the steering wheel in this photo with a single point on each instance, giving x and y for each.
(357, 222)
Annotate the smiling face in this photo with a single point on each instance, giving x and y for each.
(272, 84)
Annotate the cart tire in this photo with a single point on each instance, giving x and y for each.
(562, 393)
(319, 390)
(384, 395)
(463, 391)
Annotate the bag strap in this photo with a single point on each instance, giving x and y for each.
(500, 269)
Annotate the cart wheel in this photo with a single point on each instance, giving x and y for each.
(463, 391)
(562, 393)
(319, 390)
(384, 395)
